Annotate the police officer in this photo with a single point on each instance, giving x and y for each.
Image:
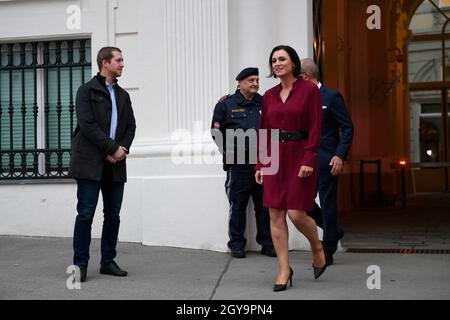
(234, 124)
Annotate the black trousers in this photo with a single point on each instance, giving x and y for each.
(240, 186)
(325, 216)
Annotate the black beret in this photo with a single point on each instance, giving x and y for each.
(247, 72)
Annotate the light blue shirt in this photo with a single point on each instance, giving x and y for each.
(112, 94)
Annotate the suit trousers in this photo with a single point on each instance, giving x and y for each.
(325, 216)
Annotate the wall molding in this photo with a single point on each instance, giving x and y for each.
(196, 45)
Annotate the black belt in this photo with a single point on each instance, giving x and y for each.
(293, 135)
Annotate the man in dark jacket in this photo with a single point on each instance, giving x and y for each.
(100, 144)
(335, 142)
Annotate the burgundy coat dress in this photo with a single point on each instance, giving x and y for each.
(302, 111)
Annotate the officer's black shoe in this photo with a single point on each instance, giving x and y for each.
(83, 273)
(269, 251)
(238, 254)
(113, 269)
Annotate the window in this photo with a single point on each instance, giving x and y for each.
(427, 126)
(429, 94)
(429, 78)
(38, 85)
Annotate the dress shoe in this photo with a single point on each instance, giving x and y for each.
(238, 254)
(283, 287)
(330, 250)
(329, 259)
(113, 269)
(83, 273)
(340, 234)
(269, 251)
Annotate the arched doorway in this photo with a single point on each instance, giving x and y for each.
(396, 90)
(429, 85)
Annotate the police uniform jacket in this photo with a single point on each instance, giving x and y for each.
(235, 112)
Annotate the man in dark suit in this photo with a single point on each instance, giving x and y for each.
(101, 141)
(335, 142)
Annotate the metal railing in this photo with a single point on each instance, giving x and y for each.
(37, 89)
(403, 166)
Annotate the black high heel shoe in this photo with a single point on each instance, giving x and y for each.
(318, 271)
(283, 287)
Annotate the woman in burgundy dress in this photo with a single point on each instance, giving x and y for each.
(294, 107)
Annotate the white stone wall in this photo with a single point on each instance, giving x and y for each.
(180, 57)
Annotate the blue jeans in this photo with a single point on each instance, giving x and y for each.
(87, 194)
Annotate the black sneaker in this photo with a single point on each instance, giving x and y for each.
(269, 251)
(238, 254)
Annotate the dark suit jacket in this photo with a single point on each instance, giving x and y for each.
(91, 143)
(337, 128)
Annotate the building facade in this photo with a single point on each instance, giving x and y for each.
(181, 56)
(389, 59)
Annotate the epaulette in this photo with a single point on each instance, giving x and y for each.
(224, 98)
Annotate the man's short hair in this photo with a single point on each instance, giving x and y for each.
(310, 67)
(105, 53)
